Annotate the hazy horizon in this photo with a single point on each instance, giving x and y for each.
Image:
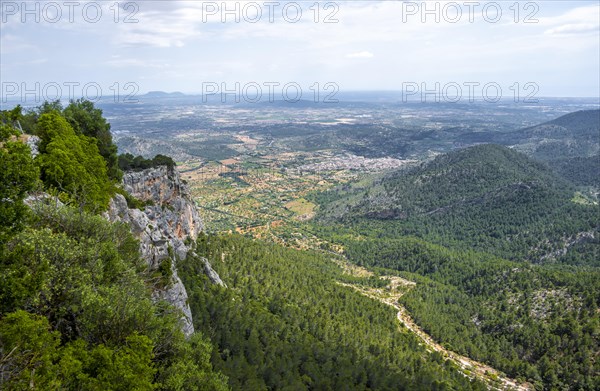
(540, 49)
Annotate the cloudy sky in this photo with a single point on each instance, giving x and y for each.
(179, 45)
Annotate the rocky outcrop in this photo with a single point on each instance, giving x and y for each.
(169, 219)
(33, 143)
(166, 226)
(212, 274)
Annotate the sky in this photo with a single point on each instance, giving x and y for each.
(62, 48)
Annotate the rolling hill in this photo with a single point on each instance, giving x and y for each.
(572, 135)
(486, 197)
(504, 253)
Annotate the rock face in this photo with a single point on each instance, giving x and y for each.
(33, 143)
(212, 274)
(167, 223)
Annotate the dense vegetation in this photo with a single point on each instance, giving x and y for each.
(582, 171)
(537, 323)
(466, 227)
(77, 159)
(77, 313)
(284, 323)
(504, 253)
(88, 121)
(571, 135)
(85, 120)
(128, 162)
(487, 197)
(18, 176)
(71, 164)
(76, 306)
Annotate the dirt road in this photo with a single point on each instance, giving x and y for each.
(389, 295)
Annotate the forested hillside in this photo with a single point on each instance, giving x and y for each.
(568, 144)
(487, 197)
(571, 135)
(504, 253)
(76, 299)
(538, 323)
(284, 322)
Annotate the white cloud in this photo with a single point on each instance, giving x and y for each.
(119, 62)
(172, 43)
(363, 54)
(578, 21)
(574, 29)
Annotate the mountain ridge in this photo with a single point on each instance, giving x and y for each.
(571, 135)
(487, 197)
(463, 174)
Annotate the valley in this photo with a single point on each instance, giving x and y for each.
(506, 212)
(445, 265)
(390, 295)
(300, 196)
(341, 209)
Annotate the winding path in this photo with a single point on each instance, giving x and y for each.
(397, 286)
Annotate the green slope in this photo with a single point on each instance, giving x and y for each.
(572, 135)
(285, 323)
(486, 197)
(77, 309)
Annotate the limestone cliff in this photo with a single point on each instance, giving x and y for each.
(165, 227)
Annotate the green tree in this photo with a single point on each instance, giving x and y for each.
(192, 370)
(28, 349)
(28, 120)
(31, 357)
(71, 164)
(7, 123)
(18, 175)
(137, 163)
(88, 120)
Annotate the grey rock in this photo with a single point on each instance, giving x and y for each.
(32, 142)
(163, 227)
(212, 274)
(34, 200)
(177, 295)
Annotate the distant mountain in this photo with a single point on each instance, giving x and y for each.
(579, 121)
(455, 178)
(572, 135)
(487, 197)
(570, 145)
(162, 94)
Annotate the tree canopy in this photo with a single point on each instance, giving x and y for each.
(71, 164)
(88, 121)
(18, 175)
(76, 305)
